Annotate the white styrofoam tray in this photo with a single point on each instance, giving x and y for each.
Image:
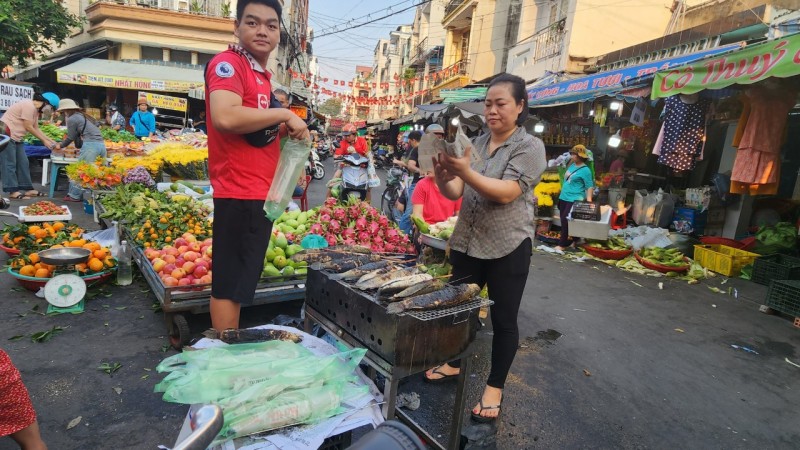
(62, 217)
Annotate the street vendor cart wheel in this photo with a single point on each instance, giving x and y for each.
(178, 329)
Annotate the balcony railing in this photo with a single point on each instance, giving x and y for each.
(550, 41)
(421, 49)
(452, 6)
(213, 8)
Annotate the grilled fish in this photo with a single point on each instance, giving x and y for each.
(326, 254)
(349, 263)
(370, 275)
(234, 336)
(443, 298)
(380, 280)
(419, 289)
(402, 283)
(359, 272)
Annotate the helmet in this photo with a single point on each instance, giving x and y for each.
(52, 99)
(348, 129)
(434, 128)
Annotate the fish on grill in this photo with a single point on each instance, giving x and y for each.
(234, 336)
(327, 254)
(359, 272)
(349, 263)
(380, 280)
(419, 289)
(402, 283)
(443, 298)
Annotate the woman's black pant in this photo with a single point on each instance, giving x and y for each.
(505, 278)
(564, 209)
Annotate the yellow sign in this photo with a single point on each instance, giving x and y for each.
(111, 81)
(165, 101)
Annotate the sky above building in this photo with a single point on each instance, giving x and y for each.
(339, 53)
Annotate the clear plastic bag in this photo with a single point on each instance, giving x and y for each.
(293, 158)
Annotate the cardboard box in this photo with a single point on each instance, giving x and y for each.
(591, 229)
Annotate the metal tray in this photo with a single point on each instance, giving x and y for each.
(433, 242)
(64, 256)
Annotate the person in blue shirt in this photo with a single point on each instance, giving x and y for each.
(143, 121)
(578, 186)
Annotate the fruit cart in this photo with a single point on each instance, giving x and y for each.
(177, 300)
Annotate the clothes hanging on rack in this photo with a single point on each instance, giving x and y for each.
(684, 129)
(756, 169)
(659, 141)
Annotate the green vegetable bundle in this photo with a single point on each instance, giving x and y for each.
(53, 132)
(110, 134)
(669, 258)
(773, 239)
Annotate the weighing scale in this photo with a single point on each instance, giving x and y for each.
(65, 292)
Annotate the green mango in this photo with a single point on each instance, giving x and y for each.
(281, 241)
(293, 214)
(288, 271)
(301, 229)
(293, 223)
(302, 218)
(270, 271)
(270, 255)
(301, 271)
(279, 251)
(279, 262)
(300, 264)
(174, 187)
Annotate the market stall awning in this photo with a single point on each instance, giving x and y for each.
(751, 64)
(608, 83)
(405, 119)
(81, 51)
(463, 94)
(431, 112)
(128, 75)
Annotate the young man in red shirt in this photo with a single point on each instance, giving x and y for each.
(243, 152)
(429, 203)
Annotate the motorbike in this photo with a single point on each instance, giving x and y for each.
(395, 185)
(323, 151)
(382, 158)
(355, 177)
(314, 167)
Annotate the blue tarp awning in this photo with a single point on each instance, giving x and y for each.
(610, 83)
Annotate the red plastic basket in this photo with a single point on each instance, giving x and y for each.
(713, 240)
(604, 253)
(660, 268)
(10, 251)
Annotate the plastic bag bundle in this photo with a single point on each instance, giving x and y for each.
(233, 355)
(293, 158)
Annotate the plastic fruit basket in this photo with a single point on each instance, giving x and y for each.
(604, 253)
(10, 251)
(34, 284)
(660, 268)
(722, 259)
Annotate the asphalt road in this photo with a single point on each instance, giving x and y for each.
(635, 366)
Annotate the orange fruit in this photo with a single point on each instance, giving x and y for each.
(57, 246)
(42, 273)
(100, 254)
(33, 229)
(27, 270)
(40, 233)
(95, 265)
(38, 265)
(58, 226)
(34, 258)
(109, 261)
(80, 267)
(18, 239)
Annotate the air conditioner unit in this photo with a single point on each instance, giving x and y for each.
(182, 5)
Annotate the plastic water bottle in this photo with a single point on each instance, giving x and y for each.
(124, 268)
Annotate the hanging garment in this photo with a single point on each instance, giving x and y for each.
(757, 166)
(659, 141)
(742, 123)
(684, 129)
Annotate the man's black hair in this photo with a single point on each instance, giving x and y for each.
(274, 4)
(415, 135)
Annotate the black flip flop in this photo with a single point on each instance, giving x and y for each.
(444, 377)
(483, 419)
(19, 196)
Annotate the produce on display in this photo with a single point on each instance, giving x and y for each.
(186, 263)
(663, 257)
(153, 165)
(94, 175)
(546, 192)
(154, 218)
(43, 208)
(775, 239)
(52, 131)
(182, 160)
(443, 230)
(112, 135)
(99, 261)
(278, 260)
(26, 238)
(176, 187)
(613, 243)
(139, 174)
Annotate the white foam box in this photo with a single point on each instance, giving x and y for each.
(66, 217)
(591, 229)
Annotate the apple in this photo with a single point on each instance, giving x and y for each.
(170, 259)
(208, 251)
(197, 281)
(206, 279)
(169, 268)
(179, 261)
(183, 249)
(180, 242)
(189, 237)
(190, 277)
(208, 242)
(200, 271)
(170, 250)
(151, 254)
(191, 256)
(203, 262)
(169, 281)
(158, 264)
(184, 282)
(188, 267)
(178, 274)
(195, 247)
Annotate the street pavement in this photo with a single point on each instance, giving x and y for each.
(607, 360)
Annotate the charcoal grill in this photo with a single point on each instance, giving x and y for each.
(397, 345)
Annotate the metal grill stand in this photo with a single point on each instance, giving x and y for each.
(397, 346)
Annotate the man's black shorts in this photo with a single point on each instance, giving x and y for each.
(241, 237)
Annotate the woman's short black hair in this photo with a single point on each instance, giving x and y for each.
(274, 4)
(517, 91)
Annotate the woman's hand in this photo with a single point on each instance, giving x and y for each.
(456, 166)
(439, 172)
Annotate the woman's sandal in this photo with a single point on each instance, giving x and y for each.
(444, 377)
(37, 194)
(484, 419)
(18, 196)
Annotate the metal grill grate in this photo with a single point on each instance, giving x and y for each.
(438, 313)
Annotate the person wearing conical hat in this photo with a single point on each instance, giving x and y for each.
(84, 132)
(142, 120)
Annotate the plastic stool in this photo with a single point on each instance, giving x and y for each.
(54, 167)
(617, 221)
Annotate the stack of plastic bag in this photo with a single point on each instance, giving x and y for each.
(263, 386)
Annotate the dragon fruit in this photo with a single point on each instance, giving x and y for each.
(378, 248)
(324, 210)
(354, 212)
(377, 240)
(390, 248)
(373, 227)
(363, 236)
(324, 218)
(410, 249)
(331, 239)
(392, 236)
(335, 226)
(339, 214)
(316, 229)
(330, 202)
(383, 221)
(373, 214)
(349, 233)
(349, 242)
(361, 224)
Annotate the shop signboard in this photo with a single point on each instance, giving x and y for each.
(585, 88)
(165, 101)
(776, 58)
(11, 93)
(113, 81)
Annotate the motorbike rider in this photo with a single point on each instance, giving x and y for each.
(435, 129)
(412, 166)
(351, 143)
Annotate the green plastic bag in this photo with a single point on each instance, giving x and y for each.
(233, 355)
(313, 241)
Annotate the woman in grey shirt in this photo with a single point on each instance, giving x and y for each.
(79, 125)
(491, 243)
